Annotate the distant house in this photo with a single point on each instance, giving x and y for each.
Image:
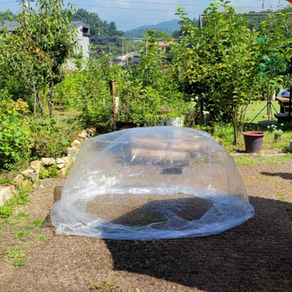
(83, 37)
(10, 25)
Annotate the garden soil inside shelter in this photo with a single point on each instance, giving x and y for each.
(255, 256)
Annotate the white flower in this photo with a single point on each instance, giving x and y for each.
(205, 112)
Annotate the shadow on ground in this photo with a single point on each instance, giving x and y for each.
(283, 175)
(255, 256)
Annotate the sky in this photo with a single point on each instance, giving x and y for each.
(130, 14)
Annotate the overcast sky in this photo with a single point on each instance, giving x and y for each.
(128, 14)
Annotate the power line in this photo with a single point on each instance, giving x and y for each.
(154, 3)
(122, 8)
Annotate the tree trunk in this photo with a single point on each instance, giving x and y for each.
(235, 134)
(44, 98)
(51, 98)
(38, 96)
(34, 101)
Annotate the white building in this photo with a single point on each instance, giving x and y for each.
(83, 37)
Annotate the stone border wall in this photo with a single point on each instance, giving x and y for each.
(61, 164)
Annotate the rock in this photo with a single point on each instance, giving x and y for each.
(68, 161)
(48, 161)
(83, 134)
(27, 172)
(6, 192)
(32, 177)
(60, 161)
(62, 172)
(18, 179)
(77, 144)
(90, 132)
(35, 165)
(72, 152)
(60, 165)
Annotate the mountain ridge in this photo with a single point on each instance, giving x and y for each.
(168, 26)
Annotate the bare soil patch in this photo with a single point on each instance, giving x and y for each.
(255, 256)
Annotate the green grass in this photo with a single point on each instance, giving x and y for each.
(245, 160)
(258, 106)
(252, 160)
(16, 256)
(20, 235)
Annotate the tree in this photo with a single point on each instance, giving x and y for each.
(98, 28)
(40, 46)
(220, 63)
(275, 33)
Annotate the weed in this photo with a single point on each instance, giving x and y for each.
(89, 249)
(21, 197)
(107, 286)
(22, 215)
(98, 260)
(284, 205)
(21, 234)
(5, 181)
(35, 223)
(264, 179)
(277, 159)
(38, 223)
(48, 172)
(41, 237)
(245, 160)
(11, 222)
(5, 211)
(16, 256)
(148, 199)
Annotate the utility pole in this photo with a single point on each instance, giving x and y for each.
(26, 4)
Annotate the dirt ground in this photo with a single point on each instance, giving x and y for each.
(255, 256)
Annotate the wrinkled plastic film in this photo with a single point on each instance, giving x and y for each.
(151, 183)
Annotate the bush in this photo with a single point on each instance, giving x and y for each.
(14, 144)
(50, 137)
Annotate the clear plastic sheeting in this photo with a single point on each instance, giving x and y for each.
(151, 183)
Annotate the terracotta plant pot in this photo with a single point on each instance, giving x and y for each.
(253, 141)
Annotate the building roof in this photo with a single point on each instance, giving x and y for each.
(80, 23)
(11, 25)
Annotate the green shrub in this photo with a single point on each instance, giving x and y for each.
(50, 171)
(14, 144)
(50, 137)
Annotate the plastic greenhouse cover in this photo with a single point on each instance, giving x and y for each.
(151, 183)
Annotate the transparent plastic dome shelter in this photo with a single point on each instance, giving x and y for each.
(151, 183)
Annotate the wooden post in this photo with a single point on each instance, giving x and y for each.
(289, 111)
(113, 93)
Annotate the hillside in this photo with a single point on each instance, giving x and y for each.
(167, 26)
